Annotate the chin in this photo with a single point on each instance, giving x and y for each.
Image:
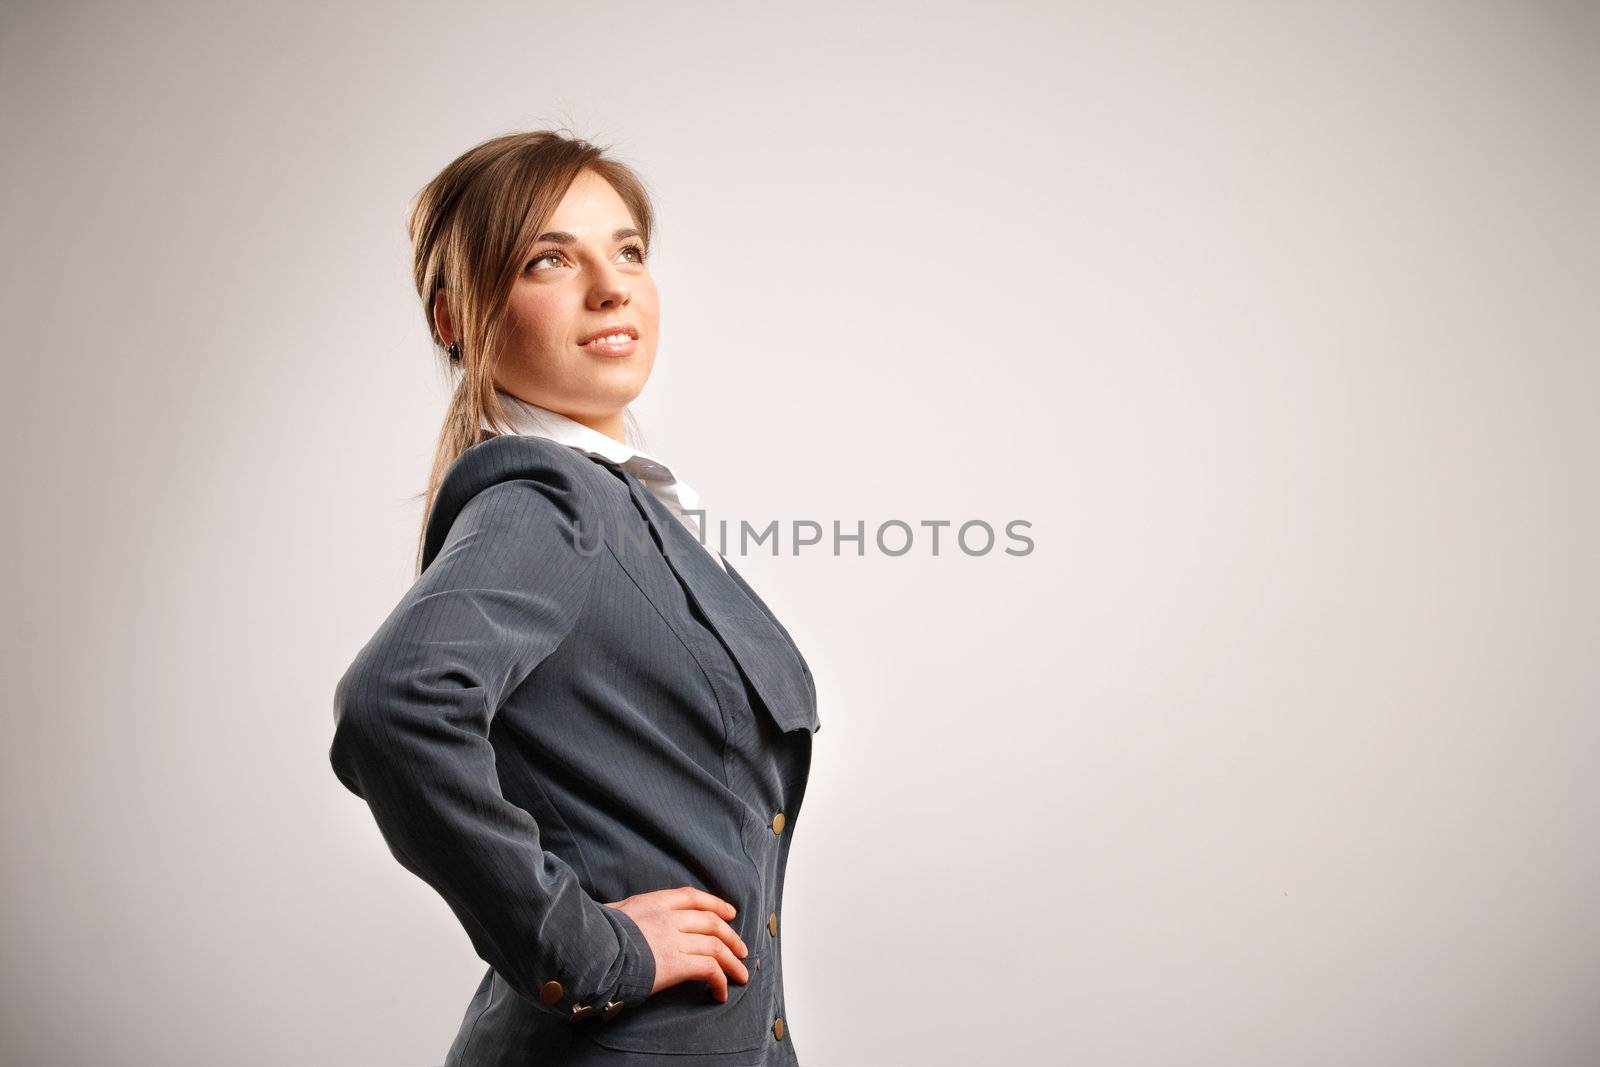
(607, 397)
(620, 383)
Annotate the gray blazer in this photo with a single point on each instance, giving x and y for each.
(574, 703)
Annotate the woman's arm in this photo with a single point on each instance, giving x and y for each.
(412, 724)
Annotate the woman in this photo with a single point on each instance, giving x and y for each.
(579, 725)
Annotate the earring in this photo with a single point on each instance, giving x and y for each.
(455, 351)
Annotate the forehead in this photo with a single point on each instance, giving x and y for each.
(591, 208)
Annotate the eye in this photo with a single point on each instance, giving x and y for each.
(542, 256)
(637, 249)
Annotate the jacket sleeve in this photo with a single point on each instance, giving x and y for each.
(411, 737)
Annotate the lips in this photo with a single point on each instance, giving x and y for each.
(610, 331)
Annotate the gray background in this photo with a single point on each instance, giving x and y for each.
(1275, 319)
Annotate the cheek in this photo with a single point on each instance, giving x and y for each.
(647, 303)
(539, 315)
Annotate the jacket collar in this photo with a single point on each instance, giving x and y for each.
(760, 644)
(757, 641)
(680, 498)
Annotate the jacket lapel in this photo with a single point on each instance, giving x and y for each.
(761, 647)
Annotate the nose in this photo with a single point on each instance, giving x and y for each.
(610, 290)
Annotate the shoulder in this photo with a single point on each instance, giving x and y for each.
(524, 478)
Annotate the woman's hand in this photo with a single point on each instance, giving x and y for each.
(689, 934)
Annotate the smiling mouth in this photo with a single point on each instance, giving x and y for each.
(615, 343)
(610, 331)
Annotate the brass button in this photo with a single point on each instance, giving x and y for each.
(777, 1028)
(550, 992)
(777, 823)
(611, 1010)
(581, 1011)
(772, 924)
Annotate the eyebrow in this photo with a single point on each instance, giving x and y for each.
(562, 237)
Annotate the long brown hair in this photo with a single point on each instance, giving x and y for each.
(470, 228)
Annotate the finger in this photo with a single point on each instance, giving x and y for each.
(717, 949)
(690, 897)
(707, 970)
(732, 965)
(704, 922)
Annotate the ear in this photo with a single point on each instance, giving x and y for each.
(441, 318)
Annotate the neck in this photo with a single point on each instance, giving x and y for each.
(610, 425)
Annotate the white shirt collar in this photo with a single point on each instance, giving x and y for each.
(530, 419)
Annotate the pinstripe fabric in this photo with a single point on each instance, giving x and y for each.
(571, 704)
(678, 495)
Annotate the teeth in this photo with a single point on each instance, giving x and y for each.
(612, 339)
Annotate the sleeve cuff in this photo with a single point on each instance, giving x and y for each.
(638, 971)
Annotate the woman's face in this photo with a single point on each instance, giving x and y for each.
(585, 275)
